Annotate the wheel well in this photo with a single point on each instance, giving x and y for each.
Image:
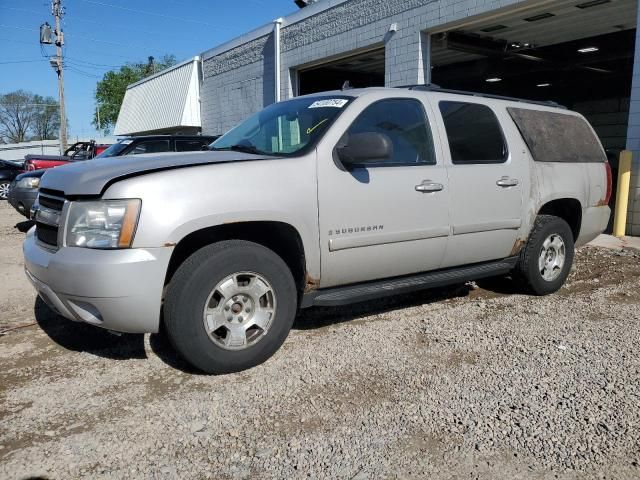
(569, 209)
(280, 237)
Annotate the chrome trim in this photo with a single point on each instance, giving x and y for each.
(383, 238)
(506, 224)
(48, 216)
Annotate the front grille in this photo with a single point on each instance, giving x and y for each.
(50, 202)
(47, 225)
(47, 234)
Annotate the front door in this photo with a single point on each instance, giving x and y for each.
(487, 177)
(384, 218)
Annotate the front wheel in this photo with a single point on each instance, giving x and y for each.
(230, 306)
(4, 190)
(546, 259)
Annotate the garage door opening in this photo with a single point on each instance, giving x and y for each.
(576, 53)
(361, 70)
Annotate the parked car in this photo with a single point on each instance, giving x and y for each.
(158, 144)
(76, 152)
(325, 199)
(8, 171)
(23, 191)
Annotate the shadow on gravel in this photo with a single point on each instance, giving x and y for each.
(162, 347)
(80, 337)
(318, 317)
(23, 227)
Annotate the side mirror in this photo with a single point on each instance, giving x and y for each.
(365, 147)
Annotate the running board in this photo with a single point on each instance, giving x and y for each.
(360, 292)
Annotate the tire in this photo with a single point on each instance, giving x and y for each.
(554, 232)
(204, 320)
(4, 189)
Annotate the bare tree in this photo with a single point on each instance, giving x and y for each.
(46, 124)
(17, 115)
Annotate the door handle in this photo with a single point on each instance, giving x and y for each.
(427, 186)
(507, 182)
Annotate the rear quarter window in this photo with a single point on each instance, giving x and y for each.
(557, 137)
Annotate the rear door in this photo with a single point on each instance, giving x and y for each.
(487, 175)
(383, 218)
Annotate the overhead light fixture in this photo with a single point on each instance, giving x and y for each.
(542, 16)
(521, 45)
(543, 85)
(592, 3)
(493, 79)
(588, 49)
(493, 28)
(304, 3)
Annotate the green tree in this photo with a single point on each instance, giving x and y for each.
(111, 89)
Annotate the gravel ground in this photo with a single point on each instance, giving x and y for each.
(472, 382)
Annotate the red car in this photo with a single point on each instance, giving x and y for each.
(77, 151)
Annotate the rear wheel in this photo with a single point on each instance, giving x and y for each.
(230, 306)
(4, 189)
(546, 259)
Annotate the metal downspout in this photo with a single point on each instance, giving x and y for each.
(277, 24)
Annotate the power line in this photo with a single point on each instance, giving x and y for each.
(23, 10)
(91, 63)
(145, 12)
(22, 61)
(30, 104)
(81, 72)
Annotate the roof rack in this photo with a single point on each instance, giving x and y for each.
(432, 87)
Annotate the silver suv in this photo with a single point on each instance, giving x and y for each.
(325, 199)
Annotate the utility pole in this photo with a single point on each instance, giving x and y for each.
(57, 63)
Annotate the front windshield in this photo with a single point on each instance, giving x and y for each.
(285, 128)
(115, 149)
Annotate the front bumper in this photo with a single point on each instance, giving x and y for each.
(22, 199)
(119, 290)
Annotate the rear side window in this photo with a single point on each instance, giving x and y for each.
(150, 146)
(557, 137)
(189, 145)
(474, 133)
(405, 123)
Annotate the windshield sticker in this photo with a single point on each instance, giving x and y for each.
(330, 102)
(311, 129)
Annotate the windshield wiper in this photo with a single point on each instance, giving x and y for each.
(243, 149)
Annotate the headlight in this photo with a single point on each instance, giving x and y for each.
(28, 182)
(102, 224)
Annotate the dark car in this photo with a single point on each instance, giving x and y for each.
(24, 190)
(8, 171)
(157, 144)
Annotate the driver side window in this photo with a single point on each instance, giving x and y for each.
(404, 122)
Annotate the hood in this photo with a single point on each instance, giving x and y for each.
(32, 174)
(93, 176)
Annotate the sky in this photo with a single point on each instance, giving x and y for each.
(101, 35)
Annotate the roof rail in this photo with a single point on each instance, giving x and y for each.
(431, 87)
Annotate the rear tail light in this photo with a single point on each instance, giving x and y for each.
(607, 196)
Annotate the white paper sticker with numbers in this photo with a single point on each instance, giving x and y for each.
(330, 102)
